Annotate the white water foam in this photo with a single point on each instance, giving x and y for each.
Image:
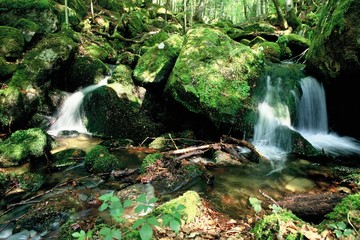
(69, 116)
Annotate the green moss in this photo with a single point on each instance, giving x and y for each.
(213, 75)
(268, 227)
(23, 145)
(68, 157)
(11, 41)
(271, 50)
(28, 28)
(348, 207)
(24, 4)
(6, 69)
(99, 160)
(149, 160)
(30, 181)
(156, 64)
(190, 199)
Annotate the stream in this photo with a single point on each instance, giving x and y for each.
(232, 185)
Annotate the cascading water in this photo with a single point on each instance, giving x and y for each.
(69, 117)
(272, 114)
(312, 122)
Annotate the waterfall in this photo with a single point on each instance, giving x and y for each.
(312, 122)
(69, 116)
(272, 113)
(312, 112)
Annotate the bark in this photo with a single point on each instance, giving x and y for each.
(311, 207)
(282, 22)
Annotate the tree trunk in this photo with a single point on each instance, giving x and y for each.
(290, 15)
(282, 22)
(311, 207)
(185, 9)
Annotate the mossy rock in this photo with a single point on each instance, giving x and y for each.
(347, 211)
(121, 74)
(43, 60)
(41, 12)
(296, 43)
(104, 52)
(190, 200)
(23, 146)
(156, 64)
(128, 58)
(213, 76)
(30, 182)
(28, 28)
(84, 71)
(99, 160)
(107, 113)
(11, 41)
(6, 68)
(271, 50)
(335, 44)
(68, 158)
(43, 216)
(268, 227)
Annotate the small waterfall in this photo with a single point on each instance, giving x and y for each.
(312, 122)
(312, 112)
(69, 116)
(272, 114)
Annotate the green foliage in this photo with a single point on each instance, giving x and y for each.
(99, 160)
(256, 204)
(340, 229)
(149, 160)
(22, 145)
(24, 4)
(144, 225)
(82, 235)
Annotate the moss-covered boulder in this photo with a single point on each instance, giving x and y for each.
(190, 200)
(117, 113)
(83, 71)
(156, 64)
(67, 158)
(25, 182)
(23, 146)
(41, 12)
(21, 99)
(6, 68)
(45, 215)
(100, 160)
(271, 50)
(28, 28)
(347, 212)
(214, 75)
(277, 225)
(335, 46)
(296, 43)
(11, 41)
(132, 24)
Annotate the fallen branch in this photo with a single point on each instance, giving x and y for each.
(247, 145)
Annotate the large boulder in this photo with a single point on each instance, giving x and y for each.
(23, 146)
(214, 76)
(112, 113)
(335, 47)
(20, 100)
(334, 58)
(156, 64)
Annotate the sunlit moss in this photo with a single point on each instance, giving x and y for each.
(22, 146)
(99, 160)
(347, 211)
(24, 4)
(190, 199)
(269, 227)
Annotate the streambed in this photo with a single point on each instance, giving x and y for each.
(229, 191)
